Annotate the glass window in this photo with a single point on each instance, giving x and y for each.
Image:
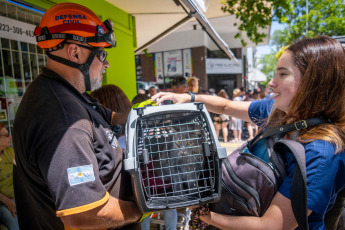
(34, 66)
(26, 66)
(30, 18)
(21, 15)
(36, 20)
(6, 55)
(24, 46)
(3, 9)
(40, 61)
(5, 43)
(17, 72)
(32, 48)
(19, 63)
(1, 70)
(16, 65)
(11, 11)
(14, 45)
(40, 50)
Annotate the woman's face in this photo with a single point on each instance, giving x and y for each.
(193, 86)
(5, 138)
(285, 82)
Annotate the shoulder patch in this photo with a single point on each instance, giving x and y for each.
(80, 174)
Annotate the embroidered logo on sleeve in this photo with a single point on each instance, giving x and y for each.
(80, 174)
(111, 137)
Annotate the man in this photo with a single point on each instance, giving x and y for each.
(178, 85)
(152, 91)
(68, 170)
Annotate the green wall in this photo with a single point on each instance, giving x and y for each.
(121, 58)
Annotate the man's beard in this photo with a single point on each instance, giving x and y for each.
(95, 84)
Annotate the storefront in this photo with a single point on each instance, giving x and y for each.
(21, 59)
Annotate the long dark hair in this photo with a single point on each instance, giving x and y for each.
(112, 97)
(321, 92)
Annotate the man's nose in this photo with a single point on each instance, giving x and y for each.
(106, 64)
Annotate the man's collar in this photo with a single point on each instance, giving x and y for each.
(54, 76)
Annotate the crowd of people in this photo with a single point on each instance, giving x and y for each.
(228, 129)
(68, 153)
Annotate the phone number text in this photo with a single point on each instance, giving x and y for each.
(16, 30)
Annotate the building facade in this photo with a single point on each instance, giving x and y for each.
(21, 60)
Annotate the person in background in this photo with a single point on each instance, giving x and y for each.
(113, 98)
(178, 85)
(221, 121)
(212, 92)
(141, 91)
(249, 125)
(236, 123)
(69, 171)
(152, 91)
(309, 82)
(243, 93)
(8, 211)
(193, 84)
(139, 98)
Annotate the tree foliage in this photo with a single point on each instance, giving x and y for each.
(255, 15)
(325, 17)
(268, 65)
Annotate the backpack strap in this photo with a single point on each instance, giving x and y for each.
(298, 188)
(280, 130)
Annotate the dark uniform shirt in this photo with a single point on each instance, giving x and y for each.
(68, 159)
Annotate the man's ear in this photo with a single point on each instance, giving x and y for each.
(73, 53)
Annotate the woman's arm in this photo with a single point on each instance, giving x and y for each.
(278, 216)
(238, 109)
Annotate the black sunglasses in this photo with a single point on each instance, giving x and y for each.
(101, 54)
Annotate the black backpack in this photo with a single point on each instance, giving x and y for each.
(250, 183)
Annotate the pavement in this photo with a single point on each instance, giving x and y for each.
(230, 146)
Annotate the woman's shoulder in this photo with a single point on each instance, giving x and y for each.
(322, 154)
(320, 147)
(9, 151)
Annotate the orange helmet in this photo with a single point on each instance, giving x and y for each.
(70, 21)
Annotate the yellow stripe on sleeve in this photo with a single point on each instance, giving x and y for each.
(83, 208)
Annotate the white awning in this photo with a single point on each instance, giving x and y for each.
(155, 19)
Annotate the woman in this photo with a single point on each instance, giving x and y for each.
(193, 84)
(309, 82)
(236, 123)
(113, 98)
(8, 211)
(221, 120)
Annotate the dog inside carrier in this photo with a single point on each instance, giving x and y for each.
(173, 155)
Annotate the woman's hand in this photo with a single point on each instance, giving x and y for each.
(175, 98)
(11, 206)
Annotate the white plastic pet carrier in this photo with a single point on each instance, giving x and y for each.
(173, 155)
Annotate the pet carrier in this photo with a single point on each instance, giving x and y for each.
(173, 155)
